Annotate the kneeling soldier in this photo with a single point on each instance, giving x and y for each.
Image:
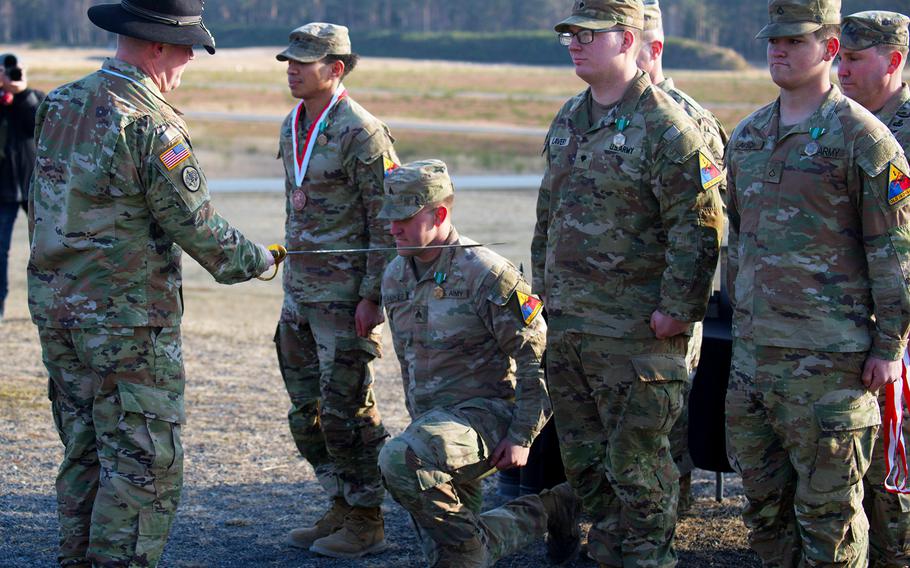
(462, 319)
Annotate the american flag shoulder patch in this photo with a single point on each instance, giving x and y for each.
(175, 155)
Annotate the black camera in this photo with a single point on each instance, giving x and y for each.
(11, 67)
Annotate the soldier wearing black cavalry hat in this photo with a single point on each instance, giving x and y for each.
(117, 196)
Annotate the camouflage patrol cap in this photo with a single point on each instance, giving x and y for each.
(874, 27)
(413, 186)
(604, 14)
(314, 41)
(799, 17)
(653, 19)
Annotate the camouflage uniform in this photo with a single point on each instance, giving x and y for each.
(716, 139)
(625, 226)
(816, 250)
(326, 366)
(471, 371)
(889, 514)
(117, 193)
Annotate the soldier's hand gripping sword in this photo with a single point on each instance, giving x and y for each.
(280, 252)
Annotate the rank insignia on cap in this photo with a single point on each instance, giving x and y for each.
(388, 165)
(530, 305)
(710, 174)
(175, 155)
(898, 186)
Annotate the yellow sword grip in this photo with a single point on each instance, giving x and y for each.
(279, 253)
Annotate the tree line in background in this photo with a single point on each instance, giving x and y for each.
(727, 23)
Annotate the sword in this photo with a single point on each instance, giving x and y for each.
(389, 249)
(280, 252)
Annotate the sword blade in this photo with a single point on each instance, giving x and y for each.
(389, 249)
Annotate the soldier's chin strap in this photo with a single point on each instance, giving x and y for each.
(897, 396)
(280, 253)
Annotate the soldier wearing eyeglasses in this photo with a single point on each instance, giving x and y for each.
(624, 251)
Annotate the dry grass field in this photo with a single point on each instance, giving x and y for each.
(245, 486)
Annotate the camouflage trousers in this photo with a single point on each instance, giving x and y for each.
(117, 402)
(434, 471)
(615, 402)
(679, 434)
(801, 428)
(889, 514)
(333, 418)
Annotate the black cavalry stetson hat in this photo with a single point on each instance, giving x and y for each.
(177, 22)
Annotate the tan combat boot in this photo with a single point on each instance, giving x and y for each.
(362, 533)
(469, 554)
(329, 523)
(563, 532)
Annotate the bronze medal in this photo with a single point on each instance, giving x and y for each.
(322, 139)
(812, 148)
(298, 199)
(439, 293)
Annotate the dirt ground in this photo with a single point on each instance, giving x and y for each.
(245, 486)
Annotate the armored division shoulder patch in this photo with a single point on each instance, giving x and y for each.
(711, 176)
(530, 306)
(388, 165)
(898, 185)
(175, 155)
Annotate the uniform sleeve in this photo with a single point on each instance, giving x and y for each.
(374, 157)
(178, 199)
(885, 211)
(732, 264)
(539, 240)
(524, 341)
(398, 340)
(691, 214)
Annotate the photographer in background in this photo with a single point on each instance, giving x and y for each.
(18, 105)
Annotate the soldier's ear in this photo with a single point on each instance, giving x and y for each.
(895, 62)
(442, 213)
(832, 48)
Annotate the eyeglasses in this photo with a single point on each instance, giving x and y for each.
(584, 37)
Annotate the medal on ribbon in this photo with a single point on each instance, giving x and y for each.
(812, 148)
(303, 154)
(620, 138)
(439, 292)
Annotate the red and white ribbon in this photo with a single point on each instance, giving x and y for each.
(897, 395)
(302, 158)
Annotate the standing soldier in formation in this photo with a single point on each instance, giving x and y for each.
(819, 250)
(117, 193)
(335, 156)
(624, 250)
(462, 319)
(650, 60)
(873, 54)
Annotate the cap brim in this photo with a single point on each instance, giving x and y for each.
(291, 54)
(791, 29)
(113, 18)
(584, 22)
(398, 212)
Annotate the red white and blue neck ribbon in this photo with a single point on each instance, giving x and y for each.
(302, 155)
(897, 395)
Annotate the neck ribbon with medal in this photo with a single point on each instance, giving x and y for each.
(440, 278)
(315, 135)
(812, 148)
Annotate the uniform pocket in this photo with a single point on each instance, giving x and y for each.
(151, 421)
(657, 399)
(845, 442)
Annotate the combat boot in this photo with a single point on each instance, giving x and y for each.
(563, 533)
(361, 533)
(330, 522)
(468, 554)
(685, 494)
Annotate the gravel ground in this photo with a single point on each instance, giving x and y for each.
(245, 487)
